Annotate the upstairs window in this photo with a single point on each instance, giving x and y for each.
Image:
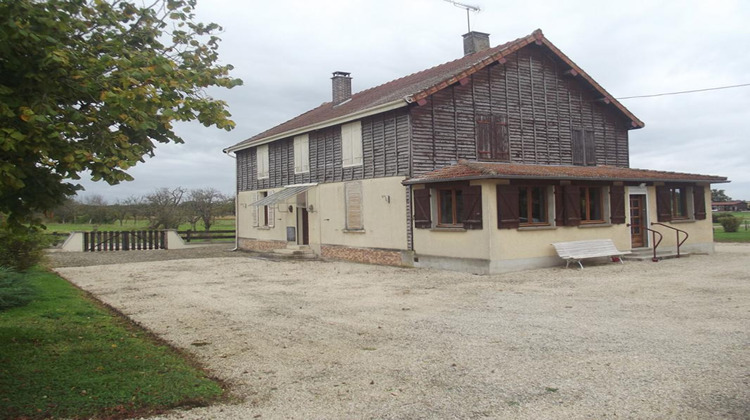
(351, 144)
(302, 154)
(584, 148)
(492, 137)
(261, 160)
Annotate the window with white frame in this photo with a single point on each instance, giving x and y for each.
(351, 144)
(261, 159)
(302, 154)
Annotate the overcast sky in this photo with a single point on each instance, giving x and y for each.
(285, 52)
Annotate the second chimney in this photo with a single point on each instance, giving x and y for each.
(475, 41)
(342, 87)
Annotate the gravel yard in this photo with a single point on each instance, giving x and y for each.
(332, 340)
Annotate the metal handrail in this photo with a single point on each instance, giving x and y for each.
(677, 232)
(655, 242)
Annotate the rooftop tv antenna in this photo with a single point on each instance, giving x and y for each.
(468, 8)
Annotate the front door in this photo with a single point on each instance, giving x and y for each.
(638, 221)
(304, 227)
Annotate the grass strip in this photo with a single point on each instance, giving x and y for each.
(66, 355)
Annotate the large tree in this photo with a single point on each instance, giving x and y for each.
(92, 86)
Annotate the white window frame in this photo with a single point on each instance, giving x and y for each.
(302, 154)
(351, 144)
(262, 161)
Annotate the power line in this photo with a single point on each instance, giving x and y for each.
(684, 91)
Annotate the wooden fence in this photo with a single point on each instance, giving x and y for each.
(202, 235)
(124, 240)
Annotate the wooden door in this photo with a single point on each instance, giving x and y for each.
(305, 227)
(638, 221)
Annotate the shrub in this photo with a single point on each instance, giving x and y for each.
(15, 289)
(717, 216)
(21, 248)
(730, 223)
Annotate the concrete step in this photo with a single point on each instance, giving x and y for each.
(294, 251)
(647, 254)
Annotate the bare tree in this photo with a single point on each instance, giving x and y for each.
(206, 204)
(164, 208)
(136, 207)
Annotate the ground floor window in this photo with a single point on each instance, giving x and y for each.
(592, 205)
(450, 206)
(454, 205)
(678, 202)
(532, 205)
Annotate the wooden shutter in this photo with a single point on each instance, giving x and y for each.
(617, 204)
(699, 202)
(484, 137)
(507, 207)
(354, 205)
(254, 209)
(500, 143)
(422, 213)
(271, 215)
(577, 147)
(572, 205)
(559, 206)
(663, 204)
(472, 207)
(589, 148)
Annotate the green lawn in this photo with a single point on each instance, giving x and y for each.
(219, 224)
(65, 355)
(742, 235)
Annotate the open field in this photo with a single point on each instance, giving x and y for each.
(313, 340)
(220, 224)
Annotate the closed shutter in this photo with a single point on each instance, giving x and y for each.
(559, 206)
(663, 204)
(422, 212)
(484, 137)
(472, 207)
(507, 207)
(254, 209)
(699, 202)
(617, 204)
(577, 147)
(354, 206)
(271, 215)
(572, 205)
(500, 144)
(590, 148)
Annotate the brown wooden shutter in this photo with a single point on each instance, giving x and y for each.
(472, 207)
(484, 137)
(507, 207)
(422, 213)
(577, 147)
(617, 204)
(590, 148)
(572, 205)
(354, 205)
(559, 206)
(663, 204)
(500, 143)
(699, 202)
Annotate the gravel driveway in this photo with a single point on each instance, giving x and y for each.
(332, 340)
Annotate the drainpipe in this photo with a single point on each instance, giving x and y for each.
(236, 203)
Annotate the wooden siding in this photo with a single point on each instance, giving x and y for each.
(542, 106)
(385, 144)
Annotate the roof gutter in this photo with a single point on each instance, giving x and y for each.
(388, 106)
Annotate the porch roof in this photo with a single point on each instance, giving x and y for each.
(279, 196)
(468, 170)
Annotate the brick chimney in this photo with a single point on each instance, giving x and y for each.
(475, 41)
(342, 87)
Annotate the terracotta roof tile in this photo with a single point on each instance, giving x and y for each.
(420, 85)
(465, 170)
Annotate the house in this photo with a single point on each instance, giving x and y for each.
(729, 206)
(478, 164)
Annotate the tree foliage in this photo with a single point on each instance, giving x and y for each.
(205, 203)
(719, 196)
(92, 86)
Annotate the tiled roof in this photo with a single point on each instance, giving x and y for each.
(466, 170)
(418, 86)
(726, 203)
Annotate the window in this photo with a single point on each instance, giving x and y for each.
(592, 205)
(351, 144)
(302, 154)
(492, 137)
(678, 202)
(261, 159)
(532, 204)
(450, 207)
(353, 193)
(583, 147)
(263, 216)
(675, 203)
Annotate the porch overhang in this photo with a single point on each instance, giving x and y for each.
(283, 195)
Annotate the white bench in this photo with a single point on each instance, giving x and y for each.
(575, 251)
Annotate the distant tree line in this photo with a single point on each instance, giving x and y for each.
(164, 208)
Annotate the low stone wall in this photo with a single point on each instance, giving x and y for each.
(365, 255)
(260, 245)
